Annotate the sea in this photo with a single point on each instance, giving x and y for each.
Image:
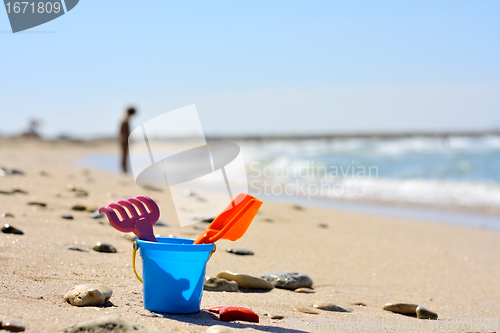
(451, 180)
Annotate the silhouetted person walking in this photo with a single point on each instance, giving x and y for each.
(124, 133)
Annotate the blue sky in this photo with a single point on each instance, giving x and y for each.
(257, 67)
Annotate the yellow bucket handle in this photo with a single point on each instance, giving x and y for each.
(136, 247)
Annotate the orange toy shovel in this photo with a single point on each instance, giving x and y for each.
(233, 222)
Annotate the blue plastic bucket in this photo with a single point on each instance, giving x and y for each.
(173, 274)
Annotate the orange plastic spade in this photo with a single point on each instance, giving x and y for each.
(233, 222)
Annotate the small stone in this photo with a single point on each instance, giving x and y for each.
(268, 220)
(7, 215)
(97, 215)
(160, 223)
(8, 229)
(108, 324)
(274, 316)
(67, 216)
(217, 284)
(304, 309)
(16, 172)
(246, 281)
(358, 303)
(423, 313)
(130, 236)
(241, 252)
(297, 207)
(76, 248)
(79, 192)
(402, 308)
(79, 208)
(91, 208)
(12, 326)
(288, 280)
(221, 329)
(198, 227)
(37, 203)
(44, 173)
(330, 307)
(18, 190)
(323, 225)
(105, 248)
(305, 290)
(5, 192)
(88, 295)
(277, 317)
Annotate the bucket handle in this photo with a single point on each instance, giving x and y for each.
(134, 252)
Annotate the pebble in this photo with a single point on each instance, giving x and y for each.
(423, 313)
(160, 223)
(330, 307)
(268, 220)
(7, 215)
(5, 192)
(37, 203)
(76, 248)
(91, 208)
(105, 248)
(288, 280)
(10, 172)
(241, 252)
(323, 225)
(8, 229)
(402, 308)
(358, 303)
(130, 236)
(97, 215)
(88, 295)
(217, 284)
(304, 309)
(221, 329)
(12, 326)
(198, 227)
(18, 190)
(246, 281)
(305, 290)
(274, 316)
(297, 207)
(79, 208)
(79, 192)
(108, 324)
(67, 216)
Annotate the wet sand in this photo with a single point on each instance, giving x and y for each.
(451, 270)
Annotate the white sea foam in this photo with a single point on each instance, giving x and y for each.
(455, 171)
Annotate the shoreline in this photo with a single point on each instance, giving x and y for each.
(472, 216)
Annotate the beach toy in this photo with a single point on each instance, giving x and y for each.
(174, 268)
(140, 224)
(173, 273)
(233, 222)
(230, 313)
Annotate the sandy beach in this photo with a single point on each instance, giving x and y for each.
(352, 258)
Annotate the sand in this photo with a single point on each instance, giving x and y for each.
(451, 270)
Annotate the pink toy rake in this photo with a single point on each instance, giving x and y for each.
(140, 223)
